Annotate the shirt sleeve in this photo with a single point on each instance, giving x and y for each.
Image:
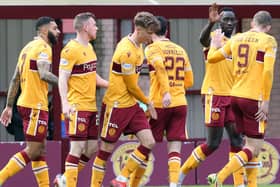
(156, 59)
(67, 60)
(269, 61)
(45, 54)
(188, 79)
(215, 55)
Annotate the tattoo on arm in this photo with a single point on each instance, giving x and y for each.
(45, 74)
(13, 88)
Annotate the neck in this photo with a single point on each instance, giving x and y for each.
(159, 38)
(258, 29)
(82, 39)
(134, 39)
(43, 37)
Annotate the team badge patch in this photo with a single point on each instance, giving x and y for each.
(41, 129)
(112, 131)
(215, 116)
(81, 127)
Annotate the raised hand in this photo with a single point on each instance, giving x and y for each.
(217, 39)
(214, 16)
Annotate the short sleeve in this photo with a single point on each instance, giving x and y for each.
(67, 60)
(45, 54)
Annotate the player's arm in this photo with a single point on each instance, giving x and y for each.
(269, 61)
(214, 16)
(134, 89)
(215, 55)
(188, 78)
(156, 59)
(45, 74)
(6, 115)
(65, 68)
(101, 82)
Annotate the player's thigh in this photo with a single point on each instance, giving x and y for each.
(252, 127)
(114, 121)
(35, 124)
(214, 111)
(158, 126)
(176, 128)
(81, 125)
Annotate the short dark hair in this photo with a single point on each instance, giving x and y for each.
(43, 21)
(163, 25)
(226, 9)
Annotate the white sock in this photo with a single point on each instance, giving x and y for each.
(181, 178)
(121, 178)
(172, 184)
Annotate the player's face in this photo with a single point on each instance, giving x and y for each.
(91, 28)
(145, 35)
(53, 33)
(228, 22)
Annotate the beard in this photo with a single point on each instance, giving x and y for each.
(52, 38)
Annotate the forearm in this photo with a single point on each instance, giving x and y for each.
(162, 77)
(13, 89)
(138, 94)
(204, 36)
(268, 77)
(101, 82)
(50, 78)
(188, 81)
(63, 87)
(214, 55)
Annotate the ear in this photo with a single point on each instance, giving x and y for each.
(252, 24)
(267, 28)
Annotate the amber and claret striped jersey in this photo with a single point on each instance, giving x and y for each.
(34, 91)
(170, 70)
(126, 63)
(80, 61)
(253, 54)
(218, 77)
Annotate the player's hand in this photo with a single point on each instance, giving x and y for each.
(214, 16)
(6, 116)
(67, 110)
(152, 110)
(217, 39)
(166, 100)
(262, 113)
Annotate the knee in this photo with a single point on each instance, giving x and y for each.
(236, 141)
(150, 143)
(213, 146)
(33, 154)
(91, 150)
